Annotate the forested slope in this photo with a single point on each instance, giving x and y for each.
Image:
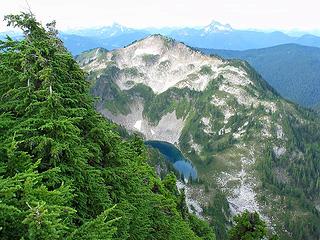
(65, 173)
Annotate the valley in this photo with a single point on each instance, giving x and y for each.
(161, 120)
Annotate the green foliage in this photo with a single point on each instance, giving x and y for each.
(65, 173)
(293, 196)
(150, 59)
(248, 226)
(164, 65)
(169, 183)
(296, 181)
(206, 70)
(291, 69)
(132, 72)
(96, 229)
(201, 228)
(112, 98)
(219, 212)
(173, 99)
(29, 208)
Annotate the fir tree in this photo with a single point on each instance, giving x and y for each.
(248, 226)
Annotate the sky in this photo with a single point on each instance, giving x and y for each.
(241, 14)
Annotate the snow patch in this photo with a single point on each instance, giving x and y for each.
(215, 26)
(223, 106)
(240, 94)
(279, 131)
(271, 106)
(137, 125)
(168, 128)
(218, 101)
(224, 130)
(205, 121)
(192, 204)
(242, 196)
(236, 76)
(266, 129)
(207, 127)
(147, 50)
(197, 148)
(279, 151)
(241, 130)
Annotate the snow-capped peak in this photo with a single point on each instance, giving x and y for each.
(215, 26)
(114, 29)
(119, 27)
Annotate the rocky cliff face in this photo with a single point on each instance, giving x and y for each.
(241, 135)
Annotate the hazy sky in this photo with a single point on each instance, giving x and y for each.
(259, 14)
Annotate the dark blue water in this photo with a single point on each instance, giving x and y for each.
(180, 163)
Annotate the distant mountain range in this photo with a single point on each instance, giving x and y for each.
(77, 44)
(215, 35)
(293, 70)
(221, 36)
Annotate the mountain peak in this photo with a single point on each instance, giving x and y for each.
(118, 26)
(113, 30)
(158, 44)
(216, 26)
(160, 63)
(154, 40)
(160, 37)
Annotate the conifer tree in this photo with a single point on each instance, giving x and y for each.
(248, 226)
